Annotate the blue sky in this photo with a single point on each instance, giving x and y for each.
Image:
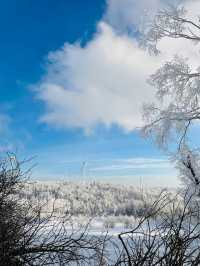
(72, 81)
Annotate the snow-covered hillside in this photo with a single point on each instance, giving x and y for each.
(91, 199)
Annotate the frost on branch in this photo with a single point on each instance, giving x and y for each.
(177, 84)
(177, 102)
(176, 107)
(172, 23)
(188, 164)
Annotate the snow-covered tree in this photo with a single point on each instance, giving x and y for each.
(177, 82)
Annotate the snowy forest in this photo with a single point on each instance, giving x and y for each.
(91, 199)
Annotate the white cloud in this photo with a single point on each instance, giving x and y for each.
(105, 81)
(135, 163)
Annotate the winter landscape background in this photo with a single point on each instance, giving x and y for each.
(108, 205)
(99, 133)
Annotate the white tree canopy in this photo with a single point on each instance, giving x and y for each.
(177, 83)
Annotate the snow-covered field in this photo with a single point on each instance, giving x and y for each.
(106, 210)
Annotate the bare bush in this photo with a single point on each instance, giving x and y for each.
(164, 237)
(27, 237)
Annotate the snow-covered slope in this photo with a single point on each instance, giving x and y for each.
(91, 198)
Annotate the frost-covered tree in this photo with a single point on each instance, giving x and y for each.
(177, 83)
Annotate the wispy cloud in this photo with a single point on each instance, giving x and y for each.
(134, 163)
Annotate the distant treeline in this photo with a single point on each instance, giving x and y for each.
(91, 198)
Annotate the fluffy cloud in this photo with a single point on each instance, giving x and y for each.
(104, 82)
